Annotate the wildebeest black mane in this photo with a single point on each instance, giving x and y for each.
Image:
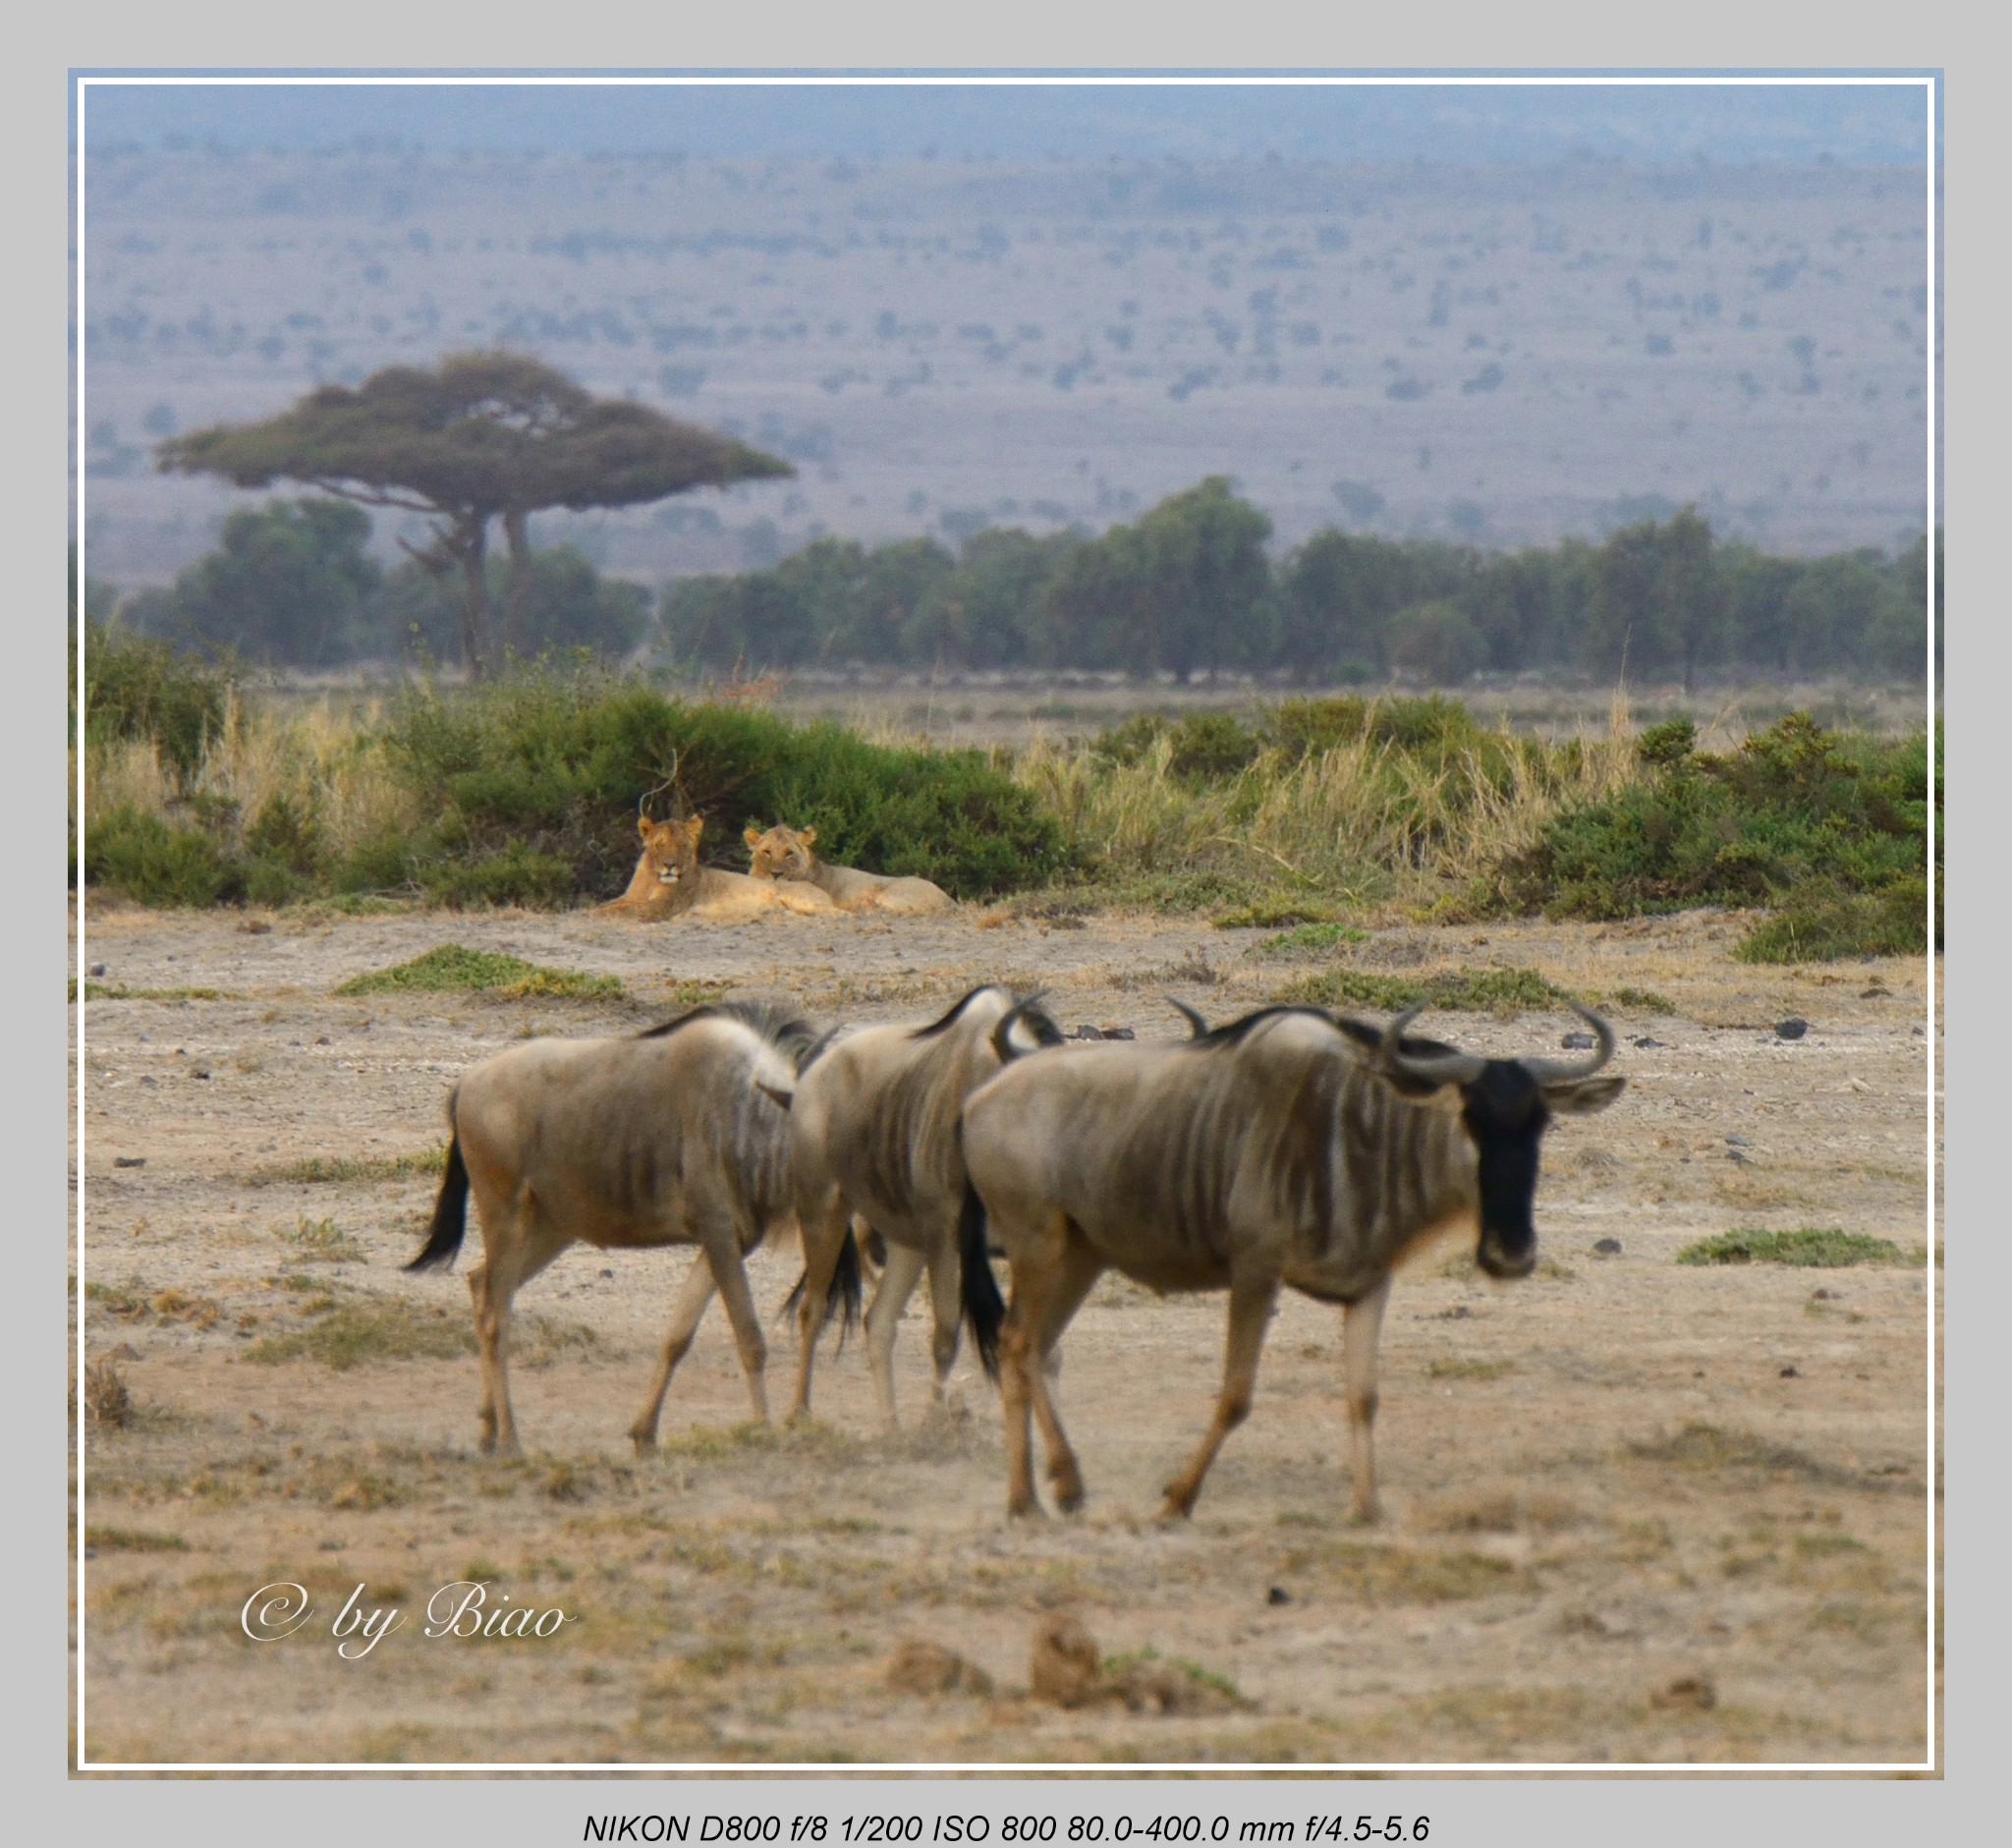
(1235, 1031)
(791, 1035)
(1364, 1034)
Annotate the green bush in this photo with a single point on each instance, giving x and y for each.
(144, 858)
(1831, 827)
(137, 687)
(1205, 746)
(1503, 992)
(534, 783)
(453, 966)
(1821, 1247)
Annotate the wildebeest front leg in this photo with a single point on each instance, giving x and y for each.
(1251, 1299)
(686, 1313)
(1360, 1323)
(1067, 1286)
(723, 1252)
(897, 1284)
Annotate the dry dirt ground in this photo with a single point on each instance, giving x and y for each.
(1636, 1511)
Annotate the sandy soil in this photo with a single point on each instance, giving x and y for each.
(1635, 1510)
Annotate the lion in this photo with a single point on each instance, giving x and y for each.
(669, 882)
(783, 855)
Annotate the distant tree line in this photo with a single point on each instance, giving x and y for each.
(1190, 587)
(1187, 588)
(291, 585)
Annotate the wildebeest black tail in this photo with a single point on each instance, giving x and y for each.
(450, 1213)
(847, 1290)
(983, 1307)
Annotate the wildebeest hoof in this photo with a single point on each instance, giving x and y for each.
(1028, 1510)
(1069, 1499)
(644, 1442)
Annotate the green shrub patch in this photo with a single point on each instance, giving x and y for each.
(450, 965)
(1503, 992)
(1829, 828)
(1826, 1248)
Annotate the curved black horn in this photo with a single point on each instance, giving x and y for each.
(1563, 1071)
(1044, 1031)
(1195, 1020)
(1432, 1068)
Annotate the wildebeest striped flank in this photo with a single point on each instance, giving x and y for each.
(1284, 1149)
(875, 1132)
(671, 1136)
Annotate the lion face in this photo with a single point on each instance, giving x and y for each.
(782, 853)
(670, 849)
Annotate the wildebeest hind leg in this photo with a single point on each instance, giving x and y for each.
(1069, 1282)
(946, 1307)
(824, 1227)
(723, 1252)
(1360, 1323)
(897, 1284)
(528, 1245)
(686, 1313)
(1251, 1299)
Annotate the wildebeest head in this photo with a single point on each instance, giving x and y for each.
(1506, 1105)
(782, 853)
(670, 849)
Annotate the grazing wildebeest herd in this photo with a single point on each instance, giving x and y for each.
(1289, 1148)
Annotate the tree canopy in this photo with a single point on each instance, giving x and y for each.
(481, 437)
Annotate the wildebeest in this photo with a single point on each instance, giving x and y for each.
(1287, 1147)
(666, 1138)
(786, 855)
(874, 1132)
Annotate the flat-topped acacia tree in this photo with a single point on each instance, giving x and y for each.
(481, 437)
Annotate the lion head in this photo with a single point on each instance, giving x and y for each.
(670, 852)
(782, 853)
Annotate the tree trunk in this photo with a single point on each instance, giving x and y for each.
(516, 595)
(470, 546)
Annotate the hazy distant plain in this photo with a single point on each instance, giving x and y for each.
(1498, 353)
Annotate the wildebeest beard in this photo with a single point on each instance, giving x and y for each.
(1505, 1114)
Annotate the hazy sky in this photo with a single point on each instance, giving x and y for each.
(1856, 124)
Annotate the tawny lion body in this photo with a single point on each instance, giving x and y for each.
(669, 882)
(784, 857)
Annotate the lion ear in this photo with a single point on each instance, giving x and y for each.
(697, 825)
(809, 837)
(642, 826)
(751, 835)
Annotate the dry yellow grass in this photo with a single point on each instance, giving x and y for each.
(326, 760)
(1365, 820)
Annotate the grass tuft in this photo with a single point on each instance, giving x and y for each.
(322, 1240)
(133, 1540)
(1503, 992)
(1821, 1248)
(318, 1170)
(117, 991)
(1311, 939)
(452, 967)
(352, 1334)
